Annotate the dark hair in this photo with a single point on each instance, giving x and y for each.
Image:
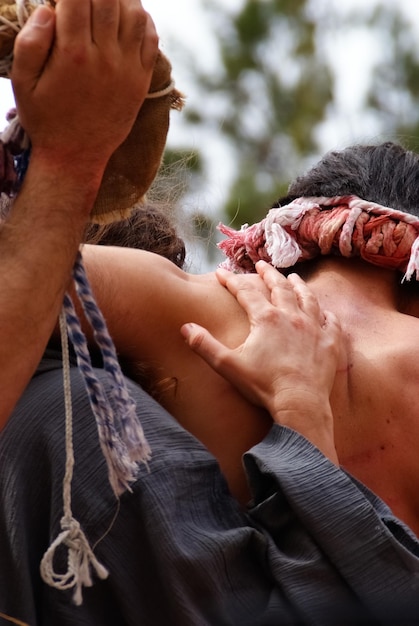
(148, 227)
(386, 173)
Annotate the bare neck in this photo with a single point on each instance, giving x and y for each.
(354, 288)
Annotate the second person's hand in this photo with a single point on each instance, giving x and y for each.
(288, 361)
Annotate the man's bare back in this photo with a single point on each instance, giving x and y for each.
(373, 400)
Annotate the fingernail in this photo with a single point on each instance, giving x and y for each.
(186, 330)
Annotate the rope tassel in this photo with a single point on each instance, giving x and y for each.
(120, 433)
(79, 561)
(80, 555)
(127, 423)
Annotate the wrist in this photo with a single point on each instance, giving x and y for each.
(74, 182)
(311, 416)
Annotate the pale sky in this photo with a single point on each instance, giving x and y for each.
(184, 19)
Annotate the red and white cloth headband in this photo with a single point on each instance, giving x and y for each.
(310, 227)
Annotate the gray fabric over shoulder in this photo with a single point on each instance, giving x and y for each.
(353, 534)
(315, 548)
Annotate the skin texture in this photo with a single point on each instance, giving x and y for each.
(373, 398)
(146, 301)
(108, 48)
(369, 367)
(295, 388)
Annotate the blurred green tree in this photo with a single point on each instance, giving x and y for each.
(277, 83)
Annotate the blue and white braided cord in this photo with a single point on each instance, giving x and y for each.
(126, 412)
(120, 433)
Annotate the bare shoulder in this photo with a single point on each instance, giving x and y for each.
(146, 294)
(122, 264)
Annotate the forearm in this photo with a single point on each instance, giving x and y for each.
(38, 245)
(67, 64)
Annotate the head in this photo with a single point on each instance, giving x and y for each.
(359, 202)
(386, 173)
(148, 227)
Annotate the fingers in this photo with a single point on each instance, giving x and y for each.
(254, 294)
(205, 345)
(293, 289)
(69, 62)
(32, 46)
(222, 276)
(281, 289)
(306, 299)
(332, 326)
(239, 284)
(138, 29)
(105, 21)
(74, 21)
(150, 44)
(287, 294)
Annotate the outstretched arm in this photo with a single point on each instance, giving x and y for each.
(288, 361)
(80, 75)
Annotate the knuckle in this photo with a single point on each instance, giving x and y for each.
(196, 340)
(138, 20)
(298, 322)
(269, 316)
(106, 15)
(76, 53)
(154, 39)
(24, 41)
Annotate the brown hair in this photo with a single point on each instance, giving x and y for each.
(149, 227)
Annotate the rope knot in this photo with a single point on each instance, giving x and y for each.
(80, 561)
(310, 227)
